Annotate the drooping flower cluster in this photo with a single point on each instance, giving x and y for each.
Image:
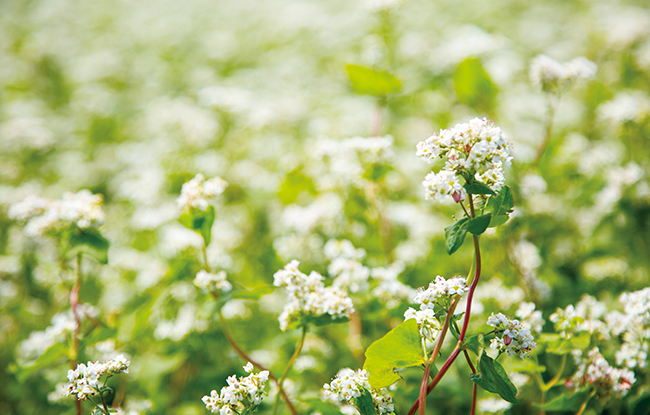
(80, 210)
(308, 296)
(476, 150)
(196, 193)
(427, 322)
(440, 288)
(349, 385)
(245, 393)
(209, 282)
(595, 371)
(84, 380)
(513, 338)
(553, 76)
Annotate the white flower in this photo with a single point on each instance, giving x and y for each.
(245, 393)
(84, 380)
(596, 371)
(440, 287)
(349, 384)
(427, 322)
(553, 76)
(513, 338)
(476, 149)
(196, 192)
(209, 282)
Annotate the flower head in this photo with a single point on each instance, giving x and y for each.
(196, 193)
(245, 393)
(513, 338)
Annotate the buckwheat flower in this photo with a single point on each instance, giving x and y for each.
(84, 379)
(427, 322)
(596, 372)
(209, 282)
(438, 288)
(308, 296)
(243, 394)
(530, 317)
(334, 249)
(553, 76)
(473, 150)
(196, 192)
(349, 385)
(493, 405)
(81, 210)
(349, 274)
(515, 338)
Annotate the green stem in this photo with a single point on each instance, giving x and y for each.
(553, 104)
(286, 370)
(204, 253)
(584, 404)
(557, 376)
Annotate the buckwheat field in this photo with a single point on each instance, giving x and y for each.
(310, 207)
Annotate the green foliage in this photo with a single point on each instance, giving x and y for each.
(558, 344)
(200, 221)
(475, 187)
(293, 185)
(479, 224)
(567, 401)
(52, 355)
(500, 206)
(89, 242)
(455, 235)
(473, 85)
(493, 378)
(364, 403)
(399, 348)
(367, 81)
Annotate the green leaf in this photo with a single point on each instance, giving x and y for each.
(500, 206)
(52, 355)
(294, 184)
(89, 242)
(200, 221)
(455, 235)
(473, 85)
(475, 187)
(474, 343)
(376, 171)
(98, 334)
(568, 401)
(325, 408)
(557, 344)
(493, 378)
(367, 81)
(528, 366)
(399, 348)
(479, 224)
(364, 403)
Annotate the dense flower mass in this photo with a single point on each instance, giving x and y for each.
(513, 338)
(349, 385)
(197, 192)
(84, 380)
(245, 393)
(308, 296)
(440, 288)
(596, 372)
(553, 76)
(209, 282)
(476, 150)
(80, 210)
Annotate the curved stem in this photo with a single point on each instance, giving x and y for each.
(584, 404)
(246, 357)
(468, 311)
(204, 253)
(474, 395)
(286, 370)
(557, 376)
(423, 389)
(101, 395)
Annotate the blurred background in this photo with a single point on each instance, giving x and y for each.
(130, 99)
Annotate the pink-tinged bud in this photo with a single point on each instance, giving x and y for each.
(456, 196)
(468, 148)
(568, 383)
(507, 340)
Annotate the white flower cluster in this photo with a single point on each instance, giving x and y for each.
(349, 384)
(440, 287)
(245, 393)
(634, 325)
(81, 210)
(196, 192)
(530, 317)
(584, 316)
(84, 380)
(516, 338)
(427, 322)
(209, 282)
(348, 272)
(475, 149)
(553, 76)
(309, 297)
(594, 370)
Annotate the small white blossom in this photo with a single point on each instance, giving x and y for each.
(553, 76)
(349, 385)
(196, 192)
(440, 287)
(513, 338)
(245, 393)
(596, 371)
(209, 282)
(84, 380)
(427, 322)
